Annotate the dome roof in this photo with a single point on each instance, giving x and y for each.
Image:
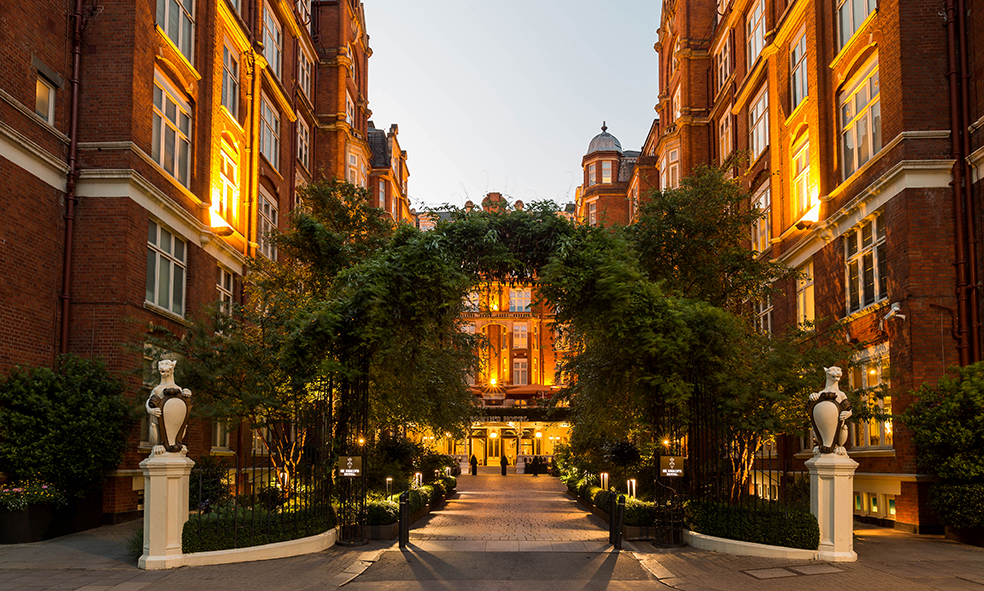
(604, 142)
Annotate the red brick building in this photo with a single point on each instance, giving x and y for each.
(844, 110)
(147, 147)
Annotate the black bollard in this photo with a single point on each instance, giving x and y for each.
(404, 518)
(612, 517)
(619, 521)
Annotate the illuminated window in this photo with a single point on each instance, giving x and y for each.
(171, 147)
(871, 380)
(229, 190)
(592, 178)
(304, 73)
(762, 227)
(758, 124)
(867, 264)
(755, 31)
(520, 372)
(593, 213)
(267, 221)
(44, 100)
(273, 41)
(356, 170)
(519, 300)
(805, 312)
(802, 198)
(724, 137)
(860, 121)
(520, 336)
(177, 19)
(606, 172)
(891, 506)
(349, 110)
(224, 285)
(797, 61)
(166, 269)
(473, 304)
(763, 315)
(304, 12)
(670, 170)
(677, 106)
(221, 435)
(722, 61)
(381, 193)
(303, 143)
(230, 81)
(260, 435)
(269, 132)
(850, 15)
(858, 502)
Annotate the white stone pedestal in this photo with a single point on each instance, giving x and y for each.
(521, 465)
(166, 477)
(831, 498)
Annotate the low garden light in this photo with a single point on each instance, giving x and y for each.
(389, 485)
(604, 480)
(631, 487)
(418, 479)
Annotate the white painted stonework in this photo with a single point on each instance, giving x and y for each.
(166, 477)
(831, 494)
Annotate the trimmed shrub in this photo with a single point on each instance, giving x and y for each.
(640, 513)
(601, 499)
(958, 504)
(590, 491)
(439, 491)
(222, 530)
(428, 493)
(383, 512)
(767, 524)
(450, 484)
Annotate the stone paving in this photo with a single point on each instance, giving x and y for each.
(512, 513)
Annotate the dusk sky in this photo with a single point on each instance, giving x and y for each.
(505, 96)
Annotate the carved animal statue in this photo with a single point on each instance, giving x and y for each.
(155, 401)
(832, 386)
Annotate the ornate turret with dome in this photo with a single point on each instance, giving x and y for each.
(604, 142)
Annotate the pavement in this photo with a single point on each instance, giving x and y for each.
(512, 532)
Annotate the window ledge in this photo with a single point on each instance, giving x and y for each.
(166, 313)
(872, 452)
(866, 310)
(222, 451)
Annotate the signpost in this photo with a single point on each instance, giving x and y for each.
(350, 466)
(671, 466)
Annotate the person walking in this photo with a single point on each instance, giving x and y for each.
(504, 461)
(474, 465)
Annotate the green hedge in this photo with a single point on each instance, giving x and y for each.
(766, 525)
(590, 491)
(242, 529)
(383, 512)
(450, 484)
(601, 499)
(640, 513)
(958, 504)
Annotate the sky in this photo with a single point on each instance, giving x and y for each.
(505, 95)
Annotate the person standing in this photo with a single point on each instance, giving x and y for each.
(504, 461)
(474, 465)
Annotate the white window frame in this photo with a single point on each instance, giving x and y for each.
(859, 127)
(172, 114)
(269, 131)
(670, 169)
(519, 299)
(349, 110)
(722, 61)
(46, 110)
(273, 41)
(178, 26)
(304, 69)
(725, 143)
(762, 227)
(267, 220)
(521, 375)
(800, 167)
(521, 339)
(850, 15)
(870, 372)
(763, 315)
(303, 143)
(606, 172)
(866, 264)
(304, 12)
(592, 174)
(592, 213)
(805, 302)
(755, 31)
(225, 282)
(229, 184)
(758, 123)
(221, 435)
(167, 262)
(798, 69)
(230, 79)
(381, 193)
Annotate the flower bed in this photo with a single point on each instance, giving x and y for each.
(37, 521)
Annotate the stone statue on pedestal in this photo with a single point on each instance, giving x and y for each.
(829, 410)
(169, 407)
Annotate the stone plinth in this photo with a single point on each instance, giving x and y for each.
(166, 477)
(831, 498)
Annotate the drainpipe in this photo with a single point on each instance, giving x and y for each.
(73, 176)
(974, 323)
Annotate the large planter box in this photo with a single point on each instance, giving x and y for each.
(45, 521)
(384, 532)
(966, 535)
(629, 532)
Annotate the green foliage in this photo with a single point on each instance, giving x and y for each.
(958, 504)
(246, 528)
(439, 491)
(18, 495)
(417, 499)
(947, 423)
(450, 484)
(67, 427)
(134, 544)
(590, 491)
(762, 524)
(209, 484)
(382, 512)
(601, 499)
(429, 494)
(640, 513)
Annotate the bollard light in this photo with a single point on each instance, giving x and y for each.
(631, 487)
(389, 485)
(604, 480)
(419, 479)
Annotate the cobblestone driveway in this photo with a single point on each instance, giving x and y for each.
(513, 508)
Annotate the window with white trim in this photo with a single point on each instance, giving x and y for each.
(230, 80)
(520, 375)
(850, 15)
(722, 61)
(724, 137)
(167, 266)
(303, 143)
(273, 41)
(171, 147)
(304, 12)
(221, 435)
(670, 169)
(229, 185)
(304, 73)
(797, 66)
(349, 110)
(762, 227)
(473, 303)
(866, 254)
(871, 378)
(224, 281)
(805, 312)
(381, 194)
(763, 315)
(177, 19)
(606, 172)
(758, 124)
(44, 100)
(520, 336)
(592, 213)
(677, 106)
(269, 132)
(267, 214)
(755, 31)
(860, 120)
(802, 196)
(355, 170)
(519, 300)
(592, 174)
(396, 207)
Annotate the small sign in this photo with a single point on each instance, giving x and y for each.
(350, 466)
(671, 466)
